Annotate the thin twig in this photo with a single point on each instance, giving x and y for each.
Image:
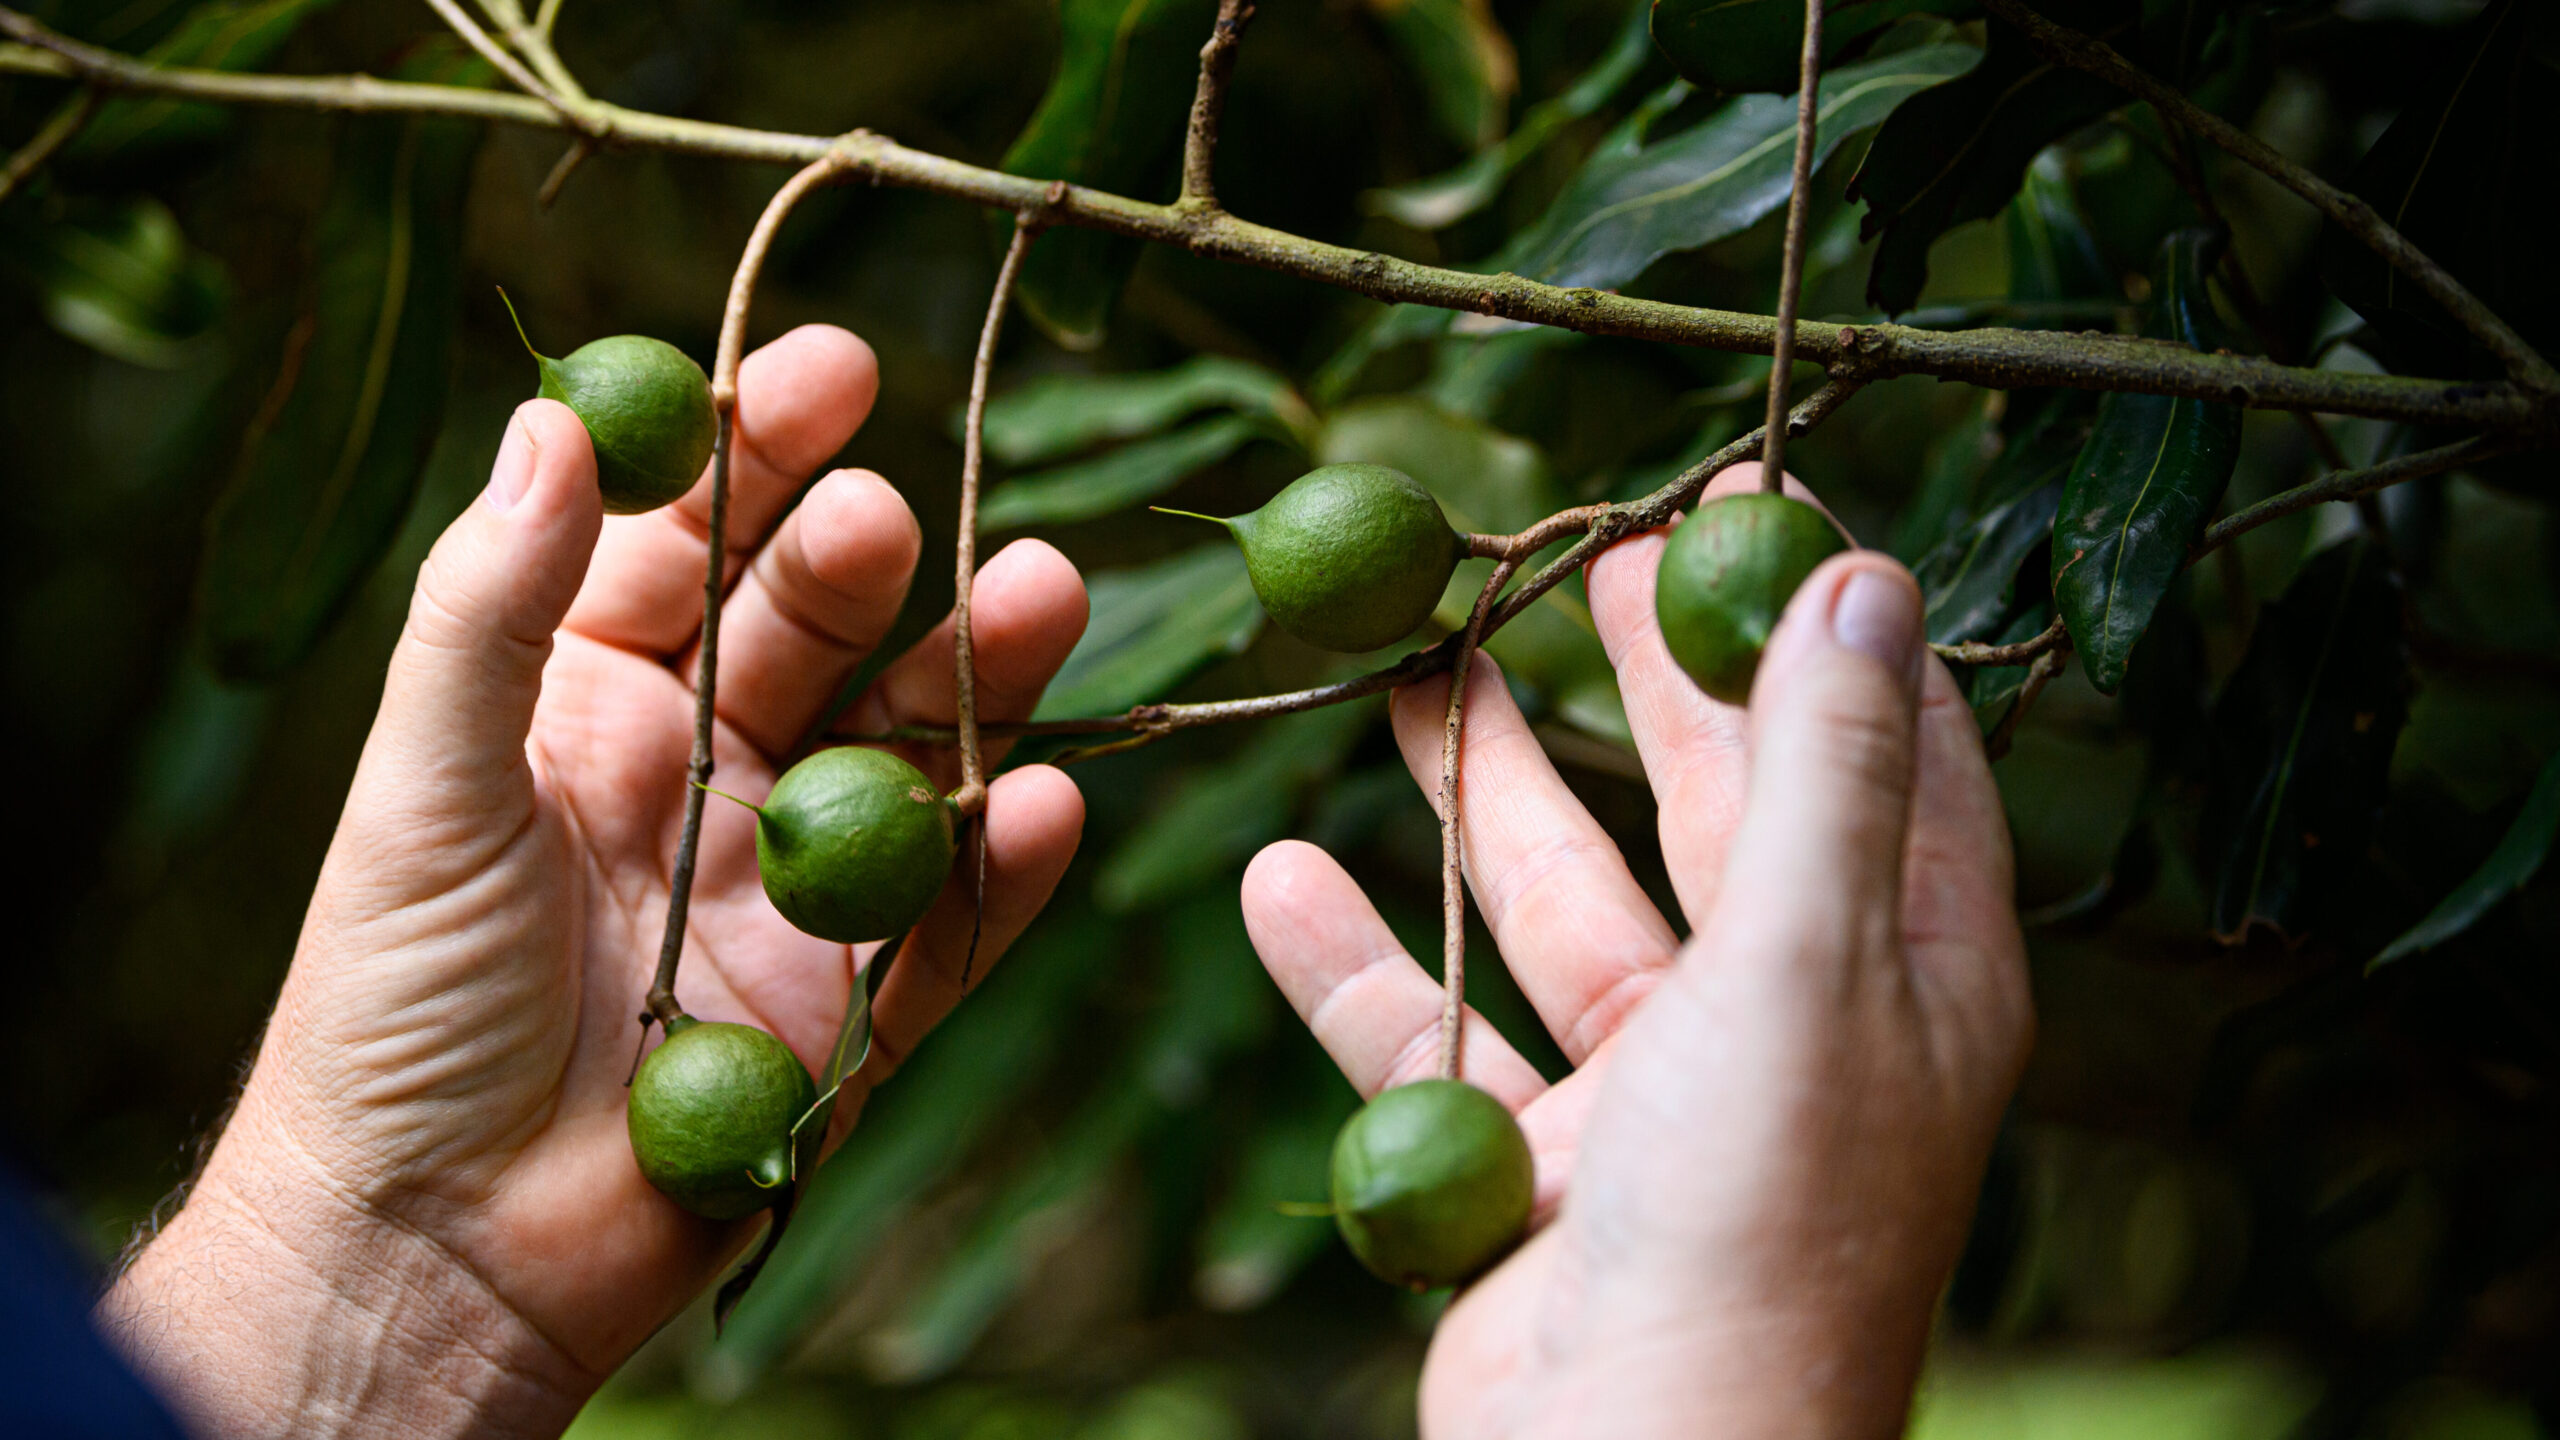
(971, 797)
(578, 153)
(1975, 653)
(42, 145)
(2003, 735)
(508, 65)
(547, 17)
(1209, 104)
(661, 1003)
(533, 41)
(1773, 455)
(1994, 358)
(2096, 57)
(2348, 484)
(1453, 889)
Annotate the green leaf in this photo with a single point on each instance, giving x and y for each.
(1757, 45)
(1464, 60)
(116, 275)
(913, 1132)
(331, 462)
(1486, 480)
(1959, 152)
(2144, 485)
(1634, 202)
(2468, 172)
(1117, 479)
(2053, 258)
(1222, 815)
(2519, 856)
(219, 35)
(1057, 415)
(1250, 1248)
(1969, 584)
(1152, 626)
(2303, 733)
(1113, 119)
(1218, 998)
(1446, 198)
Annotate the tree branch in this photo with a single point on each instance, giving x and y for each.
(1994, 358)
(2096, 57)
(1773, 458)
(41, 146)
(1208, 106)
(461, 23)
(2349, 484)
(661, 1003)
(532, 40)
(1971, 653)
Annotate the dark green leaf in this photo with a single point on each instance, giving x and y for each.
(219, 35)
(2303, 733)
(1634, 202)
(1950, 476)
(2053, 259)
(1444, 199)
(1154, 625)
(2518, 857)
(331, 462)
(1112, 119)
(1222, 815)
(913, 1132)
(116, 275)
(1992, 689)
(1218, 998)
(1745, 45)
(1117, 479)
(2144, 485)
(1250, 1248)
(1057, 415)
(2470, 172)
(1970, 582)
(1463, 59)
(1958, 152)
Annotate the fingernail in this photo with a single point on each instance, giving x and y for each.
(513, 470)
(1878, 616)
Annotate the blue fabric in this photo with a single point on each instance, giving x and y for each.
(58, 1379)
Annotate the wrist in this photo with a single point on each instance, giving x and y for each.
(271, 1305)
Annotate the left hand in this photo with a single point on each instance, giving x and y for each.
(424, 1217)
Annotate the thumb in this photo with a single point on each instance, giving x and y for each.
(1833, 717)
(458, 700)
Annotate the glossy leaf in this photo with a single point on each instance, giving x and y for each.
(1458, 51)
(2144, 485)
(1756, 45)
(1959, 152)
(2303, 734)
(219, 35)
(947, 1094)
(1057, 415)
(2519, 856)
(1969, 584)
(1452, 195)
(1116, 480)
(1152, 626)
(2470, 172)
(330, 464)
(1112, 119)
(1221, 816)
(1634, 202)
(2053, 258)
(116, 275)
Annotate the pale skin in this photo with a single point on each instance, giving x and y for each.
(424, 1220)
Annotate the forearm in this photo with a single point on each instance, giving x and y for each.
(262, 1311)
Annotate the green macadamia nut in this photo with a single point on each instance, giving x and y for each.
(1727, 574)
(711, 1116)
(1431, 1183)
(853, 844)
(1348, 557)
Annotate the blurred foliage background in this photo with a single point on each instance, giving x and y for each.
(2250, 1188)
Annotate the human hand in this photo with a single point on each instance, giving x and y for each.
(1758, 1177)
(424, 1217)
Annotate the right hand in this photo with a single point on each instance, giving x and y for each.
(1758, 1177)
